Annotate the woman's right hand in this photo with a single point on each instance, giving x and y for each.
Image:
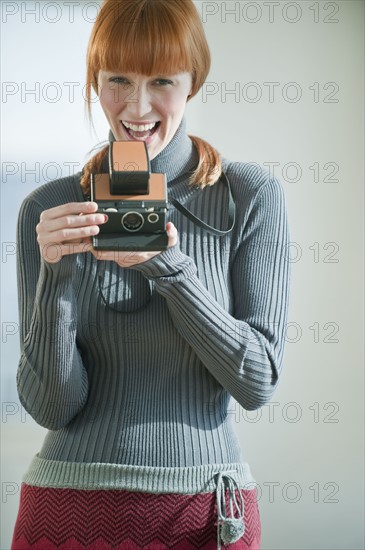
(67, 229)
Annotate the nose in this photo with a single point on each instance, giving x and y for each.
(139, 102)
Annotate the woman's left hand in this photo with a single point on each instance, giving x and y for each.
(131, 258)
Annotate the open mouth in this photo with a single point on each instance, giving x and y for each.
(141, 131)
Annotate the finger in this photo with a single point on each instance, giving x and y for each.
(172, 234)
(71, 221)
(69, 208)
(67, 235)
(171, 229)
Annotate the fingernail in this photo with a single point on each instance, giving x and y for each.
(106, 218)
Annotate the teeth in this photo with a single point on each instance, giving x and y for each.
(141, 128)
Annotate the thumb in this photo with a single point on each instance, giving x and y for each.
(171, 233)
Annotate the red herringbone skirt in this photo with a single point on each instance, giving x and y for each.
(78, 519)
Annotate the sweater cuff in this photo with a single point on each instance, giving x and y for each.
(170, 266)
(65, 268)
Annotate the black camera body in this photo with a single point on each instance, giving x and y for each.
(134, 200)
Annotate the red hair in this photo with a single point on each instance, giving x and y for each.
(150, 37)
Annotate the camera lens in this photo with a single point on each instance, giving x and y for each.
(132, 221)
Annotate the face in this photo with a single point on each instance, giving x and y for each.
(144, 108)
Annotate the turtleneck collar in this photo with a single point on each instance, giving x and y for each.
(177, 158)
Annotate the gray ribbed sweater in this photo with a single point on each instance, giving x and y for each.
(152, 383)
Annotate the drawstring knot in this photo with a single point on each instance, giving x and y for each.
(230, 529)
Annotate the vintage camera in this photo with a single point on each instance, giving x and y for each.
(134, 200)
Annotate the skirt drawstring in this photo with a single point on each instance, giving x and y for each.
(230, 529)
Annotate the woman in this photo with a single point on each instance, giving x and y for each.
(132, 360)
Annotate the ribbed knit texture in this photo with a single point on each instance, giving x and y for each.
(153, 479)
(154, 383)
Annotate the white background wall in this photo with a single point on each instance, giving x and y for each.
(298, 72)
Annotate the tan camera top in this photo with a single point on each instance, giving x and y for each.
(129, 156)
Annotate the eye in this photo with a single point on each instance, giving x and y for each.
(163, 81)
(119, 80)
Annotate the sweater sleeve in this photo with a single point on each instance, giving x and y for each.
(52, 382)
(243, 351)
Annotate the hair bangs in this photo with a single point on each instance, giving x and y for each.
(148, 53)
(153, 42)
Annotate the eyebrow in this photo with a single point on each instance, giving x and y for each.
(126, 74)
